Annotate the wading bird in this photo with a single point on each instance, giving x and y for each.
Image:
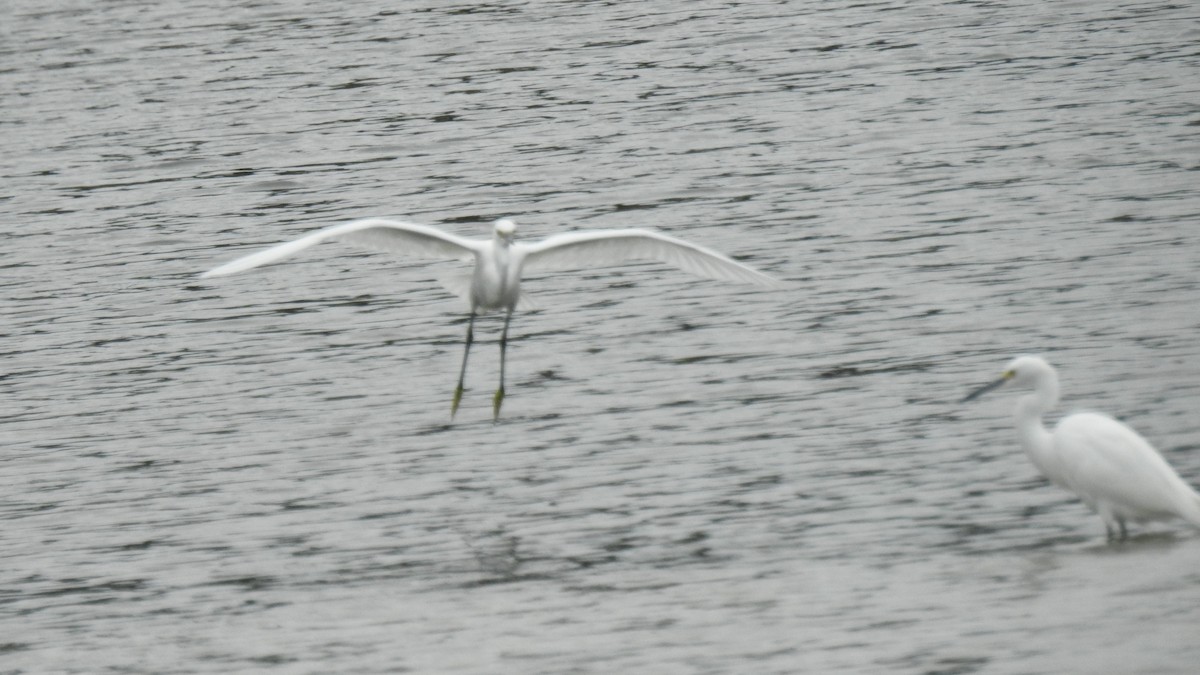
(1113, 469)
(495, 282)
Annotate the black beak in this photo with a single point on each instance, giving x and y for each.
(984, 389)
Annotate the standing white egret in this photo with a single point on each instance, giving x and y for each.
(1113, 469)
(495, 282)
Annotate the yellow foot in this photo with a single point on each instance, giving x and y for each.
(458, 391)
(496, 401)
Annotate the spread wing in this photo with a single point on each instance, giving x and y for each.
(390, 235)
(576, 250)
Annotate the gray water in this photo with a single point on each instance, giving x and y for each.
(258, 473)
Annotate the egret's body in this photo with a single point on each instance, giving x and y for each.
(1108, 465)
(500, 262)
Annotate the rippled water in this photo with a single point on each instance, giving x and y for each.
(258, 474)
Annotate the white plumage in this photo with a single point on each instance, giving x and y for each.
(500, 262)
(1109, 466)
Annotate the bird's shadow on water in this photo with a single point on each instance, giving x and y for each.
(1099, 545)
(486, 422)
(1069, 542)
(1138, 543)
(501, 557)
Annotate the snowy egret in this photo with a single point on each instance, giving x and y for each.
(495, 282)
(1113, 469)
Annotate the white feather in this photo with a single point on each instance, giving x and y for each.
(494, 282)
(390, 235)
(579, 250)
(1109, 466)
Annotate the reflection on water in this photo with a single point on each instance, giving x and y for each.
(259, 474)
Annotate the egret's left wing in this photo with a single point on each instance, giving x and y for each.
(578, 250)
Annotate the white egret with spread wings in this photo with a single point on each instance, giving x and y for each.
(500, 262)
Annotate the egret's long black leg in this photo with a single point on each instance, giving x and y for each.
(499, 397)
(462, 372)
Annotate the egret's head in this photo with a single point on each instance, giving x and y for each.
(1026, 370)
(1022, 371)
(505, 229)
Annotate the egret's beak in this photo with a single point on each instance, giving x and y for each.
(1008, 375)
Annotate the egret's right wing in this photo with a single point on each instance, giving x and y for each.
(391, 235)
(576, 250)
(1105, 459)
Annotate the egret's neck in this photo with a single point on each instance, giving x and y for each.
(1036, 440)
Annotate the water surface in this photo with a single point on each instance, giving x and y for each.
(258, 473)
